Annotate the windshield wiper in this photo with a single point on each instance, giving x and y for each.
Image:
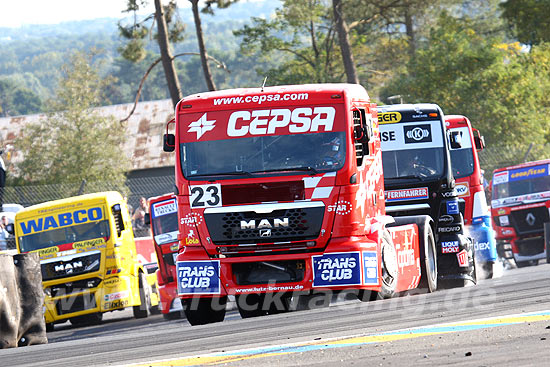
(304, 168)
(234, 173)
(404, 177)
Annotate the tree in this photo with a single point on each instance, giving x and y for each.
(528, 20)
(503, 90)
(345, 47)
(302, 36)
(16, 99)
(74, 142)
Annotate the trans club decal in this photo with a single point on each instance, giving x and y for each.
(418, 193)
(337, 269)
(198, 277)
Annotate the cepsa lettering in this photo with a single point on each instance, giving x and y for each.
(61, 220)
(262, 122)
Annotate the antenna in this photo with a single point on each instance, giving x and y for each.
(263, 84)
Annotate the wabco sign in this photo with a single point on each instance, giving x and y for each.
(61, 220)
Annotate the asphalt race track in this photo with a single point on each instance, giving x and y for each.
(503, 321)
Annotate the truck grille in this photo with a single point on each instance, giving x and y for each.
(529, 221)
(246, 227)
(530, 246)
(69, 266)
(75, 303)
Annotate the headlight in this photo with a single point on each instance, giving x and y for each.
(504, 221)
(48, 291)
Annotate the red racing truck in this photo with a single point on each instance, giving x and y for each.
(520, 195)
(471, 192)
(280, 197)
(163, 218)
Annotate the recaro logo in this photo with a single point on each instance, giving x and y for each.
(265, 223)
(262, 122)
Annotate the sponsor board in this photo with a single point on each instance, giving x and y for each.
(449, 247)
(336, 269)
(446, 219)
(500, 178)
(482, 246)
(114, 296)
(417, 134)
(165, 208)
(115, 304)
(417, 193)
(528, 172)
(388, 117)
(61, 220)
(370, 268)
(462, 257)
(111, 282)
(198, 277)
(451, 229)
(452, 207)
(462, 189)
(342, 207)
(449, 194)
(192, 219)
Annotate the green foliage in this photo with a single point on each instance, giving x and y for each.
(74, 142)
(503, 90)
(528, 20)
(302, 37)
(16, 99)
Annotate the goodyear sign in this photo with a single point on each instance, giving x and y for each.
(388, 117)
(61, 220)
(528, 172)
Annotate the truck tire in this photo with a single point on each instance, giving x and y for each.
(170, 316)
(389, 269)
(428, 256)
(142, 311)
(203, 312)
(246, 305)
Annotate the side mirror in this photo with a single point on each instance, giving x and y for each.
(479, 140)
(169, 142)
(147, 219)
(456, 140)
(10, 229)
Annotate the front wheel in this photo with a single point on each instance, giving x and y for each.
(389, 269)
(142, 311)
(205, 310)
(428, 257)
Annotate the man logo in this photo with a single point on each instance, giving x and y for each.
(530, 219)
(417, 134)
(265, 232)
(68, 268)
(265, 223)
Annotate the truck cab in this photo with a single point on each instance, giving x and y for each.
(163, 218)
(418, 179)
(471, 191)
(520, 196)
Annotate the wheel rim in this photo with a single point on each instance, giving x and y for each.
(389, 262)
(431, 258)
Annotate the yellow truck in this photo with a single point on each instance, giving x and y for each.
(88, 258)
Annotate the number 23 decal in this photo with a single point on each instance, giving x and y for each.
(206, 195)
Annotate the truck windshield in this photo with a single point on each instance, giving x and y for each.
(165, 228)
(462, 162)
(60, 236)
(312, 152)
(410, 163)
(517, 187)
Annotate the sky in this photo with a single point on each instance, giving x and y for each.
(14, 13)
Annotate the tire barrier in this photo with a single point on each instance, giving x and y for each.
(21, 301)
